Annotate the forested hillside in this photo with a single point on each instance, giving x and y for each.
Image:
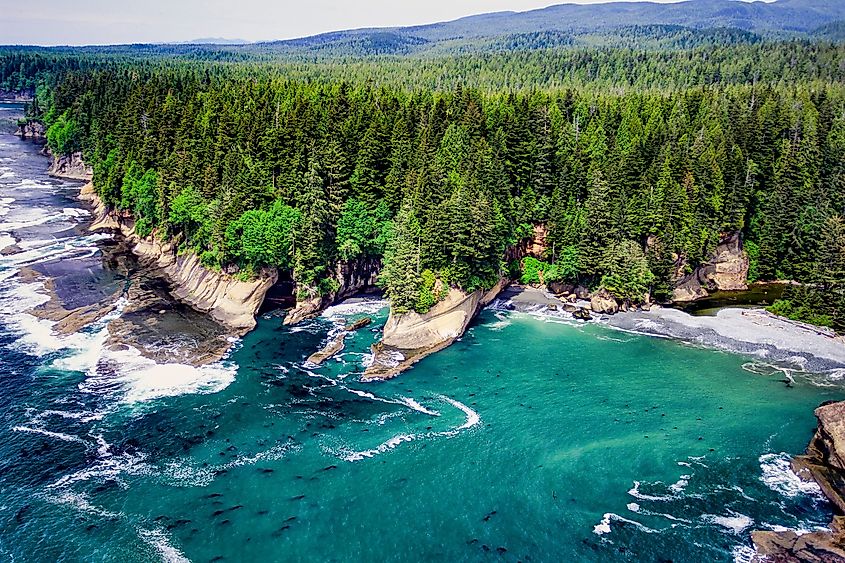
(636, 161)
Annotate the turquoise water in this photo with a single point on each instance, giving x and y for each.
(531, 439)
(522, 442)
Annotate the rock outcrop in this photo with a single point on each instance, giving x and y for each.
(603, 302)
(727, 270)
(535, 246)
(228, 300)
(70, 166)
(33, 130)
(351, 277)
(337, 343)
(823, 463)
(411, 336)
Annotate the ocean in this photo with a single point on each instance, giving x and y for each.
(533, 438)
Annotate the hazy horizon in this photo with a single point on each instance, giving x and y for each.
(100, 22)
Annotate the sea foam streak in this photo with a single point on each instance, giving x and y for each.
(472, 419)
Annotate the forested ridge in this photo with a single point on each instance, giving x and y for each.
(638, 162)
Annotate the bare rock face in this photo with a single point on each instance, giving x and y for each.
(727, 270)
(789, 547)
(603, 302)
(829, 442)
(32, 129)
(409, 337)
(352, 277)
(535, 246)
(228, 300)
(689, 289)
(71, 166)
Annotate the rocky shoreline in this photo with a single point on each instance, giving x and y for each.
(823, 463)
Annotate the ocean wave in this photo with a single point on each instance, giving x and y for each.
(81, 503)
(472, 419)
(604, 527)
(57, 435)
(183, 473)
(734, 522)
(138, 379)
(777, 474)
(158, 540)
(347, 309)
(743, 554)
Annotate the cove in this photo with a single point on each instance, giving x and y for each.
(530, 439)
(527, 440)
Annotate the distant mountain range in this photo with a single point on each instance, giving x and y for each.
(589, 24)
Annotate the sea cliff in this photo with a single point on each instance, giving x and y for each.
(726, 270)
(226, 299)
(350, 278)
(410, 337)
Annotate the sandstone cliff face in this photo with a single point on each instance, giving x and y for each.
(34, 130)
(727, 270)
(410, 337)
(824, 463)
(535, 246)
(604, 302)
(229, 301)
(352, 277)
(70, 166)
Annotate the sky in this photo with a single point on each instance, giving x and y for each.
(97, 22)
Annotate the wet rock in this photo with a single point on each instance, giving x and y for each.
(358, 325)
(331, 349)
(582, 314)
(411, 336)
(823, 463)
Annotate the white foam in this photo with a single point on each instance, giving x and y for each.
(633, 507)
(140, 379)
(161, 543)
(414, 405)
(603, 527)
(381, 448)
(472, 419)
(743, 554)
(733, 521)
(56, 435)
(346, 308)
(778, 476)
(635, 492)
(680, 485)
(80, 502)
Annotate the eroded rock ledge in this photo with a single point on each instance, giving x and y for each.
(727, 270)
(410, 337)
(823, 463)
(231, 302)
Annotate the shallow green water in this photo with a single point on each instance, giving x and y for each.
(538, 440)
(529, 440)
